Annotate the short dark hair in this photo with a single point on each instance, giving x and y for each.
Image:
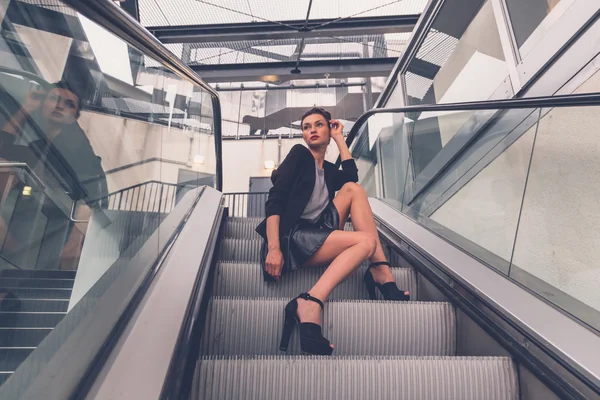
(67, 86)
(321, 111)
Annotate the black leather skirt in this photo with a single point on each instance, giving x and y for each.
(303, 240)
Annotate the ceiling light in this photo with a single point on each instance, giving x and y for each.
(198, 159)
(269, 164)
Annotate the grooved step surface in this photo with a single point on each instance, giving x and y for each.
(386, 378)
(4, 377)
(244, 250)
(37, 283)
(10, 359)
(22, 337)
(242, 228)
(30, 320)
(39, 293)
(246, 279)
(238, 326)
(34, 273)
(248, 250)
(35, 305)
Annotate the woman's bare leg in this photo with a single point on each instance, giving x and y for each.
(352, 200)
(346, 251)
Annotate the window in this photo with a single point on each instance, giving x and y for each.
(530, 16)
(461, 59)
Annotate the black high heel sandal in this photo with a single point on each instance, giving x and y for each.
(311, 339)
(389, 290)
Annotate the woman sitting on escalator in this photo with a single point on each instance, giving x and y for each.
(304, 228)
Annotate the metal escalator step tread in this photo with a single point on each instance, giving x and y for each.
(246, 279)
(240, 230)
(30, 320)
(356, 378)
(32, 273)
(10, 359)
(252, 220)
(242, 326)
(36, 305)
(37, 283)
(38, 293)
(244, 228)
(22, 337)
(248, 250)
(4, 377)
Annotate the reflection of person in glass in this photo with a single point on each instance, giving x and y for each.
(60, 147)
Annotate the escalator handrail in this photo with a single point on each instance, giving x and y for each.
(111, 17)
(568, 100)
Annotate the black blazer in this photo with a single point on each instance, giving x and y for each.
(293, 183)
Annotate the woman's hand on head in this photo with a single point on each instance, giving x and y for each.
(274, 263)
(337, 130)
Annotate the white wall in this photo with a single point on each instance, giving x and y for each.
(558, 235)
(243, 159)
(119, 141)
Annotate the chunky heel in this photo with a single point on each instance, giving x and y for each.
(288, 326)
(311, 339)
(389, 290)
(370, 285)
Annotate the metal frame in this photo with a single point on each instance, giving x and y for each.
(558, 79)
(267, 88)
(286, 71)
(111, 17)
(510, 313)
(296, 29)
(567, 29)
(569, 100)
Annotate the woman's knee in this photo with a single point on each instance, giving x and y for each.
(368, 242)
(353, 189)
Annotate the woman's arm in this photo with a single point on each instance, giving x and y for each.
(282, 179)
(338, 137)
(274, 261)
(349, 172)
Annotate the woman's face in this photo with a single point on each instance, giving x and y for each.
(60, 107)
(315, 131)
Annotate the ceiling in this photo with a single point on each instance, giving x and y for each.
(304, 35)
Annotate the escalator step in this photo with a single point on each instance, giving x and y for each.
(33, 273)
(248, 250)
(10, 359)
(23, 337)
(245, 250)
(38, 293)
(30, 320)
(246, 279)
(37, 283)
(356, 378)
(242, 326)
(35, 305)
(241, 228)
(4, 377)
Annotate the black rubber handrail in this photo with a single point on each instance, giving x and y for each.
(111, 17)
(568, 100)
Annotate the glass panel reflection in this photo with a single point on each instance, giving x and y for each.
(99, 144)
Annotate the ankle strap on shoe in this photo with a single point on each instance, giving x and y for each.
(307, 296)
(377, 264)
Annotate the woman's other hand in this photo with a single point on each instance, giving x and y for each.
(274, 263)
